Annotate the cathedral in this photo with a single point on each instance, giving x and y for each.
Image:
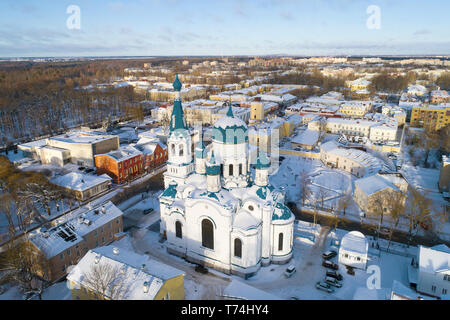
(215, 210)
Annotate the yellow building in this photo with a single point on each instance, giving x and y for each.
(355, 108)
(130, 275)
(430, 117)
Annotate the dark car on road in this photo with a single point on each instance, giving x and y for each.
(147, 211)
(330, 265)
(329, 254)
(201, 269)
(335, 274)
(333, 282)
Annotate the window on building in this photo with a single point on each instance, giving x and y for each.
(238, 248)
(240, 168)
(433, 288)
(207, 234)
(181, 153)
(178, 230)
(230, 170)
(280, 242)
(61, 256)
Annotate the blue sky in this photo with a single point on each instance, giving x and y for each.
(227, 27)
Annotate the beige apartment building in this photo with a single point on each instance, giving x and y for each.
(83, 146)
(356, 162)
(371, 189)
(71, 237)
(355, 109)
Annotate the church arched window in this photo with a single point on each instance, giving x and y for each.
(280, 241)
(230, 170)
(172, 148)
(181, 150)
(240, 168)
(238, 248)
(207, 234)
(178, 231)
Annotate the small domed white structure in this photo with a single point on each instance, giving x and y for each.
(353, 250)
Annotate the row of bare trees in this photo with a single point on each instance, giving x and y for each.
(413, 206)
(22, 196)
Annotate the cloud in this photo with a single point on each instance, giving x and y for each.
(421, 32)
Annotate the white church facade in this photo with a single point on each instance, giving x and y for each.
(215, 210)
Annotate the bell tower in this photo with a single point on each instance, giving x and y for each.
(179, 143)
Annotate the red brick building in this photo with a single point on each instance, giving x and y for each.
(155, 154)
(122, 165)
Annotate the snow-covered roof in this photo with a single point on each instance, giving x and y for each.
(356, 242)
(79, 181)
(72, 228)
(245, 221)
(434, 259)
(124, 153)
(82, 137)
(142, 277)
(373, 184)
(308, 137)
(241, 291)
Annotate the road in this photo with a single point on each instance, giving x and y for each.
(309, 267)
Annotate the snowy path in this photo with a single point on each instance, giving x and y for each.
(309, 267)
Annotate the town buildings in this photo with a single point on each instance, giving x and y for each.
(71, 237)
(354, 250)
(82, 186)
(354, 161)
(133, 277)
(433, 273)
(430, 117)
(122, 165)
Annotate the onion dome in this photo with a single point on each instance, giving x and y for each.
(212, 168)
(230, 129)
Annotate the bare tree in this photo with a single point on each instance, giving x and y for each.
(107, 282)
(418, 210)
(304, 182)
(396, 205)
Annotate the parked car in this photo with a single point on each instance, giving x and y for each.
(329, 254)
(335, 274)
(385, 231)
(201, 269)
(333, 282)
(350, 270)
(147, 211)
(290, 271)
(330, 265)
(324, 287)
